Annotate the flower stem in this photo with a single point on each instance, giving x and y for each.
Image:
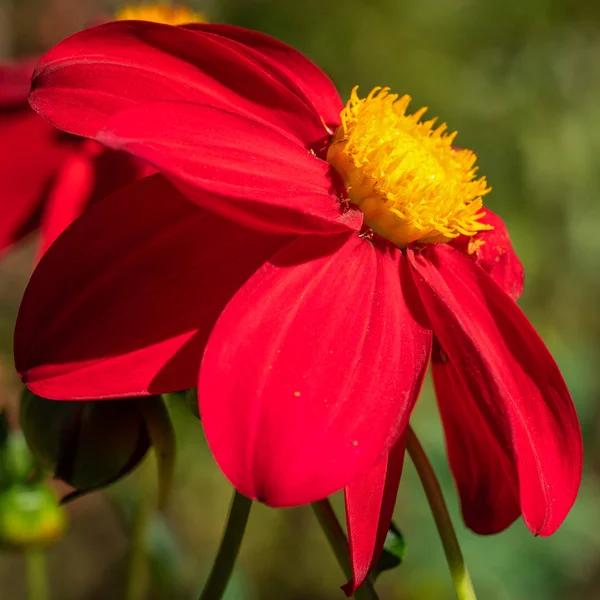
(229, 549)
(162, 436)
(339, 544)
(37, 577)
(138, 574)
(458, 570)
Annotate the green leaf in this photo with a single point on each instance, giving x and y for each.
(394, 551)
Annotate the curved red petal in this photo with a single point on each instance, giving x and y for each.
(309, 376)
(31, 153)
(102, 70)
(255, 175)
(508, 370)
(492, 250)
(370, 503)
(480, 452)
(300, 71)
(124, 300)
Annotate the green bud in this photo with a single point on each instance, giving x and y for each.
(30, 516)
(86, 444)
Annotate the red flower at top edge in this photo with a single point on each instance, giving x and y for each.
(47, 178)
(310, 341)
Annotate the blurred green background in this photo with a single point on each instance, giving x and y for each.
(520, 81)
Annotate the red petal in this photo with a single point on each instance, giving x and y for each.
(69, 196)
(31, 152)
(480, 453)
(309, 376)
(90, 76)
(370, 503)
(263, 179)
(496, 255)
(123, 302)
(15, 82)
(512, 376)
(86, 176)
(300, 71)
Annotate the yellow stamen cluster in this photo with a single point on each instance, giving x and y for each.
(404, 174)
(160, 12)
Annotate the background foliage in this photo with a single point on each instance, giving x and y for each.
(520, 80)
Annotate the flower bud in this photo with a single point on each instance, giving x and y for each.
(30, 516)
(86, 444)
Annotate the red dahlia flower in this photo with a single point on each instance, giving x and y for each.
(323, 250)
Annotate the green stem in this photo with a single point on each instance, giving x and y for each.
(456, 563)
(339, 544)
(138, 573)
(229, 549)
(37, 576)
(162, 436)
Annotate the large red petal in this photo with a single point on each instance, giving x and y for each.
(370, 503)
(262, 178)
(511, 375)
(85, 79)
(309, 376)
(124, 300)
(492, 250)
(480, 452)
(301, 72)
(31, 152)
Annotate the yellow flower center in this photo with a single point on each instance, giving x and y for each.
(404, 174)
(160, 12)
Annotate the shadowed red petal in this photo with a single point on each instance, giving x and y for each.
(303, 73)
(370, 505)
(15, 82)
(495, 255)
(480, 452)
(309, 376)
(87, 175)
(31, 152)
(510, 373)
(262, 178)
(69, 196)
(123, 302)
(88, 77)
